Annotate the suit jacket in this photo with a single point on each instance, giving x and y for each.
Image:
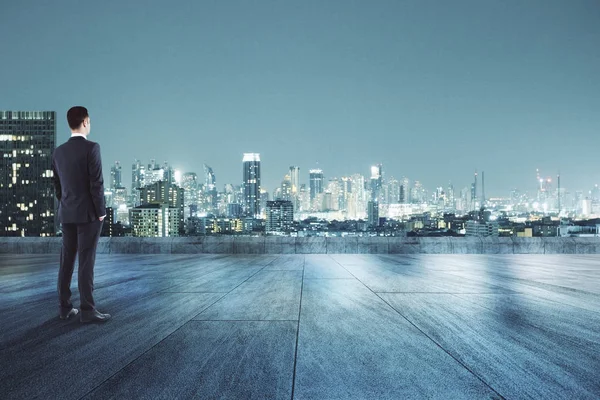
(78, 181)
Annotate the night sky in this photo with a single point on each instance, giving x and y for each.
(431, 89)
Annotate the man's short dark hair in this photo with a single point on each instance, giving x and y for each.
(76, 115)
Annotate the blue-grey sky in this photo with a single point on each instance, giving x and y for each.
(431, 89)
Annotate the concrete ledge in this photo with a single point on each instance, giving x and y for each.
(315, 245)
(280, 245)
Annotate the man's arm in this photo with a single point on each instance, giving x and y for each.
(56, 180)
(96, 180)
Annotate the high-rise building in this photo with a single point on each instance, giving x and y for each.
(404, 191)
(280, 216)
(234, 210)
(474, 204)
(251, 182)
(334, 188)
(286, 188)
(392, 192)
(345, 192)
(316, 183)
(120, 205)
(163, 193)
(264, 197)
(108, 197)
(357, 205)
(169, 173)
(373, 213)
(209, 177)
(450, 199)
(153, 174)
(190, 187)
(417, 194)
(138, 172)
(115, 175)
(156, 220)
(304, 198)
(27, 197)
(210, 189)
(295, 182)
(376, 181)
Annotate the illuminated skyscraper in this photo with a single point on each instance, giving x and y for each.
(210, 189)
(295, 179)
(392, 191)
(27, 200)
(154, 173)
(251, 182)
(316, 183)
(156, 220)
(376, 181)
(373, 213)
(138, 172)
(190, 186)
(286, 188)
(115, 175)
(163, 193)
(345, 192)
(404, 191)
(279, 216)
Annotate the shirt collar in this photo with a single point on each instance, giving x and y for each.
(78, 134)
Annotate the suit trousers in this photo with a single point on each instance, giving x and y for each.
(82, 240)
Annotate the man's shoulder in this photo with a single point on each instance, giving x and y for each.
(71, 145)
(92, 144)
(87, 144)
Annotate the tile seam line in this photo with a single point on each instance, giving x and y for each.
(298, 331)
(241, 320)
(170, 334)
(426, 335)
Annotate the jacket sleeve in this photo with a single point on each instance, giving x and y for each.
(56, 180)
(96, 180)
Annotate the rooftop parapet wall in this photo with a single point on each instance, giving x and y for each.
(314, 245)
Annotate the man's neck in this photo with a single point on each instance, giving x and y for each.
(78, 134)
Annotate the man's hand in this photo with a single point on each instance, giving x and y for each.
(102, 217)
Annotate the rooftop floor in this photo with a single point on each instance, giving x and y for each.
(307, 327)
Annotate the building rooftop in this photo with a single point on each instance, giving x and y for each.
(313, 326)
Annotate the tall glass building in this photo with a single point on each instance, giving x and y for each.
(27, 201)
(376, 181)
(190, 187)
(210, 189)
(138, 172)
(316, 182)
(251, 184)
(116, 175)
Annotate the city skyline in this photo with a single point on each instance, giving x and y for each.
(432, 93)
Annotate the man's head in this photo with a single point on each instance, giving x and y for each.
(79, 120)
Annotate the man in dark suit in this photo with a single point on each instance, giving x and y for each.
(79, 185)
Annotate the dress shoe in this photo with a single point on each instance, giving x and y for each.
(94, 316)
(67, 314)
